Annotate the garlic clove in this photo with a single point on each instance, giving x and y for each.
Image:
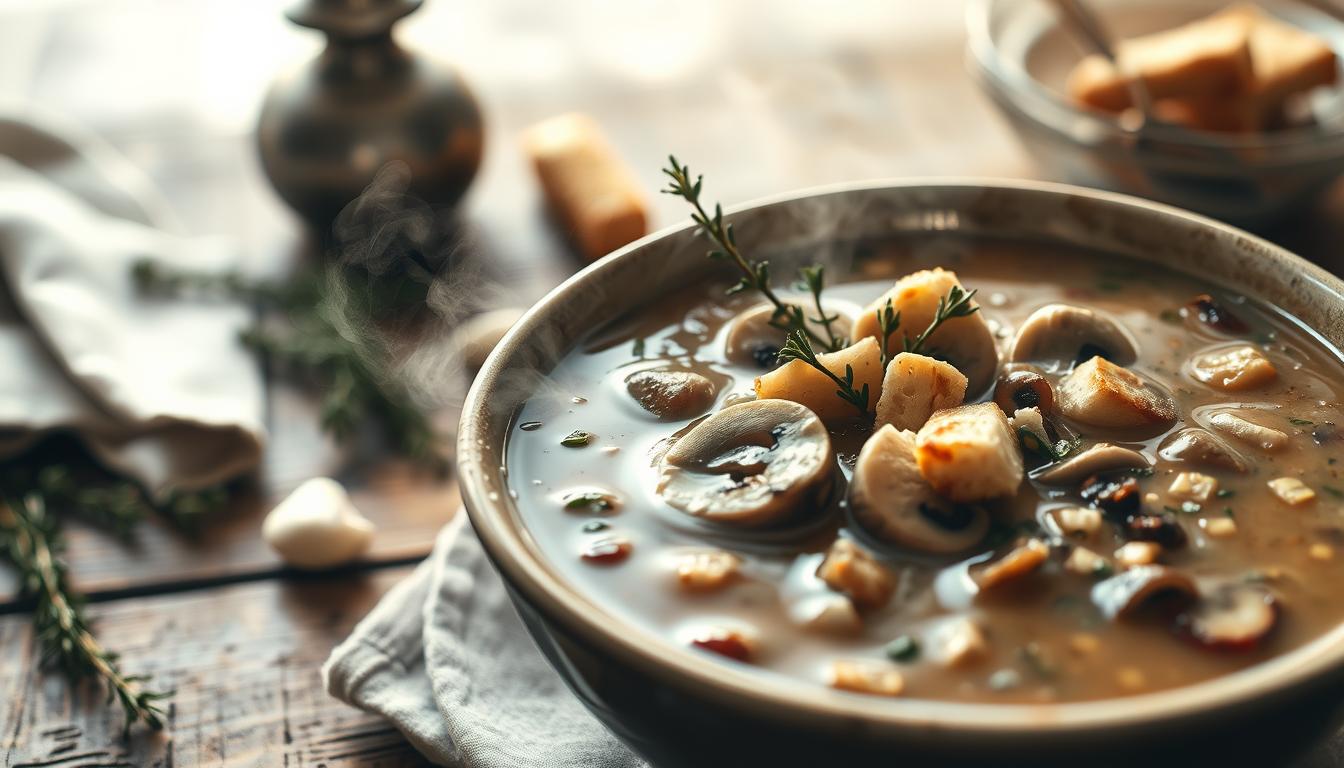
(317, 527)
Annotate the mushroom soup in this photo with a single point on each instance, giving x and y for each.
(1117, 481)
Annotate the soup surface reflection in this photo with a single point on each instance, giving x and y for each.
(1223, 547)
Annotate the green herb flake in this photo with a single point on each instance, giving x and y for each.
(589, 501)
(1190, 507)
(1333, 491)
(638, 350)
(1102, 570)
(1170, 316)
(1109, 286)
(904, 649)
(1230, 512)
(594, 526)
(577, 439)
(1036, 659)
(1225, 493)
(1296, 422)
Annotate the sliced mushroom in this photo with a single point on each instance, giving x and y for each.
(671, 393)
(1210, 312)
(1102, 457)
(1060, 336)
(1019, 562)
(750, 464)
(1117, 495)
(1247, 431)
(1234, 617)
(1023, 388)
(1233, 369)
(1162, 529)
(891, 500)
(752, 340)
(1123, 594)
(965, 342)
(1202, 448)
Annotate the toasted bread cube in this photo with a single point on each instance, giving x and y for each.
(1210, 57)
(853, 572)
(965, 342)
(915, 386)
(1103, 394)
(959, 643)
(1284, 59)
(1194, 486)
(801, 383)
(1292, 491)
(1247, 431)
(1234, 370)
(1138, 553)
(866, 676)
(707, 571)
(969, 453)
(1219, 527)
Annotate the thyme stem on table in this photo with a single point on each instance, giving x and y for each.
(799, 348)
(33, 544)
(755, 274)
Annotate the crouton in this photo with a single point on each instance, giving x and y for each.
(1103, 394)
(849, 570)
(965, 342)
(969, 453)
(801, 383)
(915, 386)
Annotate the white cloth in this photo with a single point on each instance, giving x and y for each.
(446, 659)
(159, 390)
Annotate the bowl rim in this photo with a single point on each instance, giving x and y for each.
(1019, 85)
(809, 702)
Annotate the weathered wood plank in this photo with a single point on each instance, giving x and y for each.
(244, 662)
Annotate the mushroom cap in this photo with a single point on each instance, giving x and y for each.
(1233, 617)
(1202, 448)
(750, 464)
(751, 338)
(1123, 594)
(892, 501)
(1060, 335)
(1101, 457)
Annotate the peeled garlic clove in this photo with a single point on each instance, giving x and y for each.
(317, 527)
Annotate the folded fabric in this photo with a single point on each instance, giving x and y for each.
(161, 391)
(446, 659)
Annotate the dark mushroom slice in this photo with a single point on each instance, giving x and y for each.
(1200, 447)
(1100, 458)
(750, 464)
(1233, 617)
(671, 393)
(1124, 594)
(1161, 529)
(1116, 494)
(1213, 314)
(893, 502)
(1060, 336)
(1020, 388)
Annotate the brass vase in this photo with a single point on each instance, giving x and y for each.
(327, 128)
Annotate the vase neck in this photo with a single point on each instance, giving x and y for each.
(376, 57)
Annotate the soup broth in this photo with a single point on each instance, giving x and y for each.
(1256, 530)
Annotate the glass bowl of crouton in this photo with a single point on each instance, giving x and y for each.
(1244, 119)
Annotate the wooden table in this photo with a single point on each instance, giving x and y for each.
(762, 96)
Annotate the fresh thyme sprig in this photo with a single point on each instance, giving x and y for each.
(33, 544)
(814, 281)
(789, 318)
(888, 322)
(957, 303)
(798, 347)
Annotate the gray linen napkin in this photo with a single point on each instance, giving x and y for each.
(160, 391)
(446, 659)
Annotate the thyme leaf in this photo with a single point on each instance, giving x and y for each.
(798, 347)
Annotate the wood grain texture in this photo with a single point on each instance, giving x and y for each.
(244, 661)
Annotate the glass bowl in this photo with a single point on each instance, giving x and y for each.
(1021, 55)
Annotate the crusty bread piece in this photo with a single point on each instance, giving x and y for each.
(801, 383)
(587, 186)
(1103, 394)
(1284, 59)
(1209, 57)
(965, 342)
(969, 453)
(915, 386)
